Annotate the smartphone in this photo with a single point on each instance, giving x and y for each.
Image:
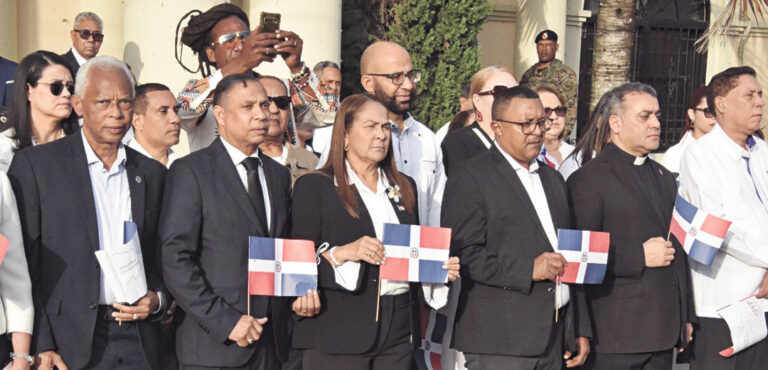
(270, 22)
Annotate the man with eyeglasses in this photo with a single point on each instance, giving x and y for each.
(505, 207)
(725, 173)
(278, 143)
(86, 37)
(644, 306)
(389, 77)
(224, 43)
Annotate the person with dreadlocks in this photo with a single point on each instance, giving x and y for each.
(224, 44)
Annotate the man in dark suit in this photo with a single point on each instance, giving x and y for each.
(640, 311)
(215, 199)
(463, 144)
(504, 208)
(87, 36)
(74, 196)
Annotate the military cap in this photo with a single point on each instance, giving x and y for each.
(546, 35)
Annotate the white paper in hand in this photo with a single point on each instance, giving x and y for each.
(123, 267)
(746, 320)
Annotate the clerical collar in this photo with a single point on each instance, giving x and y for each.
(626, 157)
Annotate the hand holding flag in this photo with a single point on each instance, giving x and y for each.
(281, 267)
(415, 253)
(700, 233)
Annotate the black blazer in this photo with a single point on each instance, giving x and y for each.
(346, 323)
(497, 235)
(74, 66)
(205, 223)
(636, 309)
(461, 145)
(58, 220)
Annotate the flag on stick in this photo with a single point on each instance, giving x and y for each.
(281, 267)
(415, 253)
(700, 233)
(586, 253)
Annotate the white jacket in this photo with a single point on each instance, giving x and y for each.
(16, 309)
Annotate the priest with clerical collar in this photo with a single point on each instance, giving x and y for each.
(643, 308)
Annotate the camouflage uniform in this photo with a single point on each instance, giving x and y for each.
(562, 78)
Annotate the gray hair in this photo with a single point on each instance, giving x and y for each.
(87, 15)
(617, 95)
(320, 66)
(102, 62)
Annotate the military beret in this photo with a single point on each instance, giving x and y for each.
(546, 35)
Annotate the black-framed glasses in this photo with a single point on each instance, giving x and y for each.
(559, 111)
(85, 35)
(398, 78)
(282, 102)
(529, 126)
(707, 112)
(231, 39)
(58, 86)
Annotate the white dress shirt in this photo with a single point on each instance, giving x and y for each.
(321, 143)
(237, 159)
(380, 209)
(532, 184)
(283, 156)
(722, 178)
(134, 144)
(79, 58)
(112, 201)
(674, 155)
(418, 155)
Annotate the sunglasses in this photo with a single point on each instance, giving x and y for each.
(231, 39)
(559, 111)
(58, 86)
(529, 127)
(707, 112)
(282, 102)
(85, 35)
(399, 78)
(495, 90)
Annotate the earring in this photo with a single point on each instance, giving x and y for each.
(478, 116)
(346, 148)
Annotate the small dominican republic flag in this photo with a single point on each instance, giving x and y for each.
(433, 325)
(586, 253)
(415, 253)
(281, 267)
(700, 233)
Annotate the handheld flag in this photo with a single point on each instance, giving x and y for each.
(4, 245)
(586, 253)
(700, 233)
(281, 267)
(433, 326)
(415, 253)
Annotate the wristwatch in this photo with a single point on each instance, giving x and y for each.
(24, 356)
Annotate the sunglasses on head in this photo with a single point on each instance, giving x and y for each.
(58, 86)
(85, 35)
(559, 111)
(282, 102)
(707, 112)
(230, 40)
(495, 90)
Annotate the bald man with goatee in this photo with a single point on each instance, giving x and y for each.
(388, 75)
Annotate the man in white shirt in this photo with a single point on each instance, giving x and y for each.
(329, 75)
(388, 75)
(725, 173)
(86, 37)
(156, 123)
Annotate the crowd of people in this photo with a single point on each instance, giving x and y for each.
(85, 151)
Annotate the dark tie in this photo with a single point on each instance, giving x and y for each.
(251, 165)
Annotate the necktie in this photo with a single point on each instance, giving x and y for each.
(251, 165)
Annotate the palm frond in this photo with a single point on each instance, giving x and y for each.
(735, 10)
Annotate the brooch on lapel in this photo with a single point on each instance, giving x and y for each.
(394, 194)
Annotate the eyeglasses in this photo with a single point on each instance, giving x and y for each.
(85, 35)
(231, 39)
(559, 111)
(495, 90)
(529, 127)
(707, 112)
(282, 102)
(58, 86)
(399, 78)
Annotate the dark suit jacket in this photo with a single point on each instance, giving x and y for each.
(206, 220)
(497, 235)
(74, 66)
(7, 69)
(461, 145)
(58, 221)
(346, 323)
(636, 309)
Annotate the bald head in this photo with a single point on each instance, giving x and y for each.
(381, 55)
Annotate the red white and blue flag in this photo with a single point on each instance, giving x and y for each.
(430, 352)
(281, 267)
(700, 233)
(586, 253)
(415, 253)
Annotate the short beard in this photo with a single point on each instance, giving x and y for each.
(391, 101)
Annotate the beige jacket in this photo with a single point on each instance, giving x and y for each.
(299, 161)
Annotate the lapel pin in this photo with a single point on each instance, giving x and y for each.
(138, 179)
